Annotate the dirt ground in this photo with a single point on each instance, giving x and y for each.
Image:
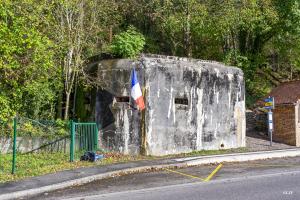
(258, 141)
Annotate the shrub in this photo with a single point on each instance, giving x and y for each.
(128, 44)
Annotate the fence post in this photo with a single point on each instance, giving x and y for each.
(14, 146)
(72, 141)
(96, 137)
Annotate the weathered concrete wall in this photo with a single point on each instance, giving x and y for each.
(120, 122)
(26, 144)
(190, 105)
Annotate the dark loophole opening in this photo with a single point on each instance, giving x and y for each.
(87, 100)
(222, 145)
(122, 99)
(182, 101)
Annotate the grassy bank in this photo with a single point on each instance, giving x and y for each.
(36, 164)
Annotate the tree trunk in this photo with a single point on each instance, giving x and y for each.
(187, 33)
(60, 100)
(74, 97)
(110, 34)
(66, 116)
(59, 106)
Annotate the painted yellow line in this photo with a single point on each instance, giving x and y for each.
(183, 174)
(214, 172)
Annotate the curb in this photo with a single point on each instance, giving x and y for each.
(84, 180)
(182, 162)
(241, 157)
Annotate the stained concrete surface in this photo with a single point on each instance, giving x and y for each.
(232, 177)
(190, 105)
(26, 144)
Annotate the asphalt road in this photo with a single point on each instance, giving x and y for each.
(269, 179)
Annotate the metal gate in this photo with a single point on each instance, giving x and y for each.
(84, 137)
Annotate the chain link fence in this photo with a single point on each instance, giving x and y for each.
(28, 145)
(32, 147)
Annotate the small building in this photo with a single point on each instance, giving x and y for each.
(190, 105)
(286, 115)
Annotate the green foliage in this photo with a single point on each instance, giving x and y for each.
(40, 54)
(46, 129)
(128, 44)
(26, 63)
(26, 127)
(80, 109)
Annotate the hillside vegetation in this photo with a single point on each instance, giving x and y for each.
(45, 44)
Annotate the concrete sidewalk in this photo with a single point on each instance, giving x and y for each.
(63, 179)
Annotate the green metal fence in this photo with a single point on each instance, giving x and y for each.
(48, 144)
(26, 144)
(6, 131)
(83, 137)
(14, 146)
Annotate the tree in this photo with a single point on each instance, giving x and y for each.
(128, 44)
(82, 29)
(26, 62)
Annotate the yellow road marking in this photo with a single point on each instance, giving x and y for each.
(219, 167)
(213, 172)
(188, 175)
(196, 177)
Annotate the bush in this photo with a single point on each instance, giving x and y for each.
(128, 44)
(42, 128)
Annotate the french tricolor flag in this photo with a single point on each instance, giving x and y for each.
(136, 92)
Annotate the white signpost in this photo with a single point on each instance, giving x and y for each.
(269, 105)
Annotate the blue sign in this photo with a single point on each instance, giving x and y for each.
(269, 103)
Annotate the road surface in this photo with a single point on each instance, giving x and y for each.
(266, 180)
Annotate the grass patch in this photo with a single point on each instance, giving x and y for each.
(202, 153)
(36, 164)
(214, 152)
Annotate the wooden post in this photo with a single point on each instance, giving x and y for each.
(143, 126)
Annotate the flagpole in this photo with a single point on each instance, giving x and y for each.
(143, 125)
(143, 122)
(138, 92)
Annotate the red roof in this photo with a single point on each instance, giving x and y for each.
(286, 93)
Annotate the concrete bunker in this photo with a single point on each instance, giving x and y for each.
(190, 105)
